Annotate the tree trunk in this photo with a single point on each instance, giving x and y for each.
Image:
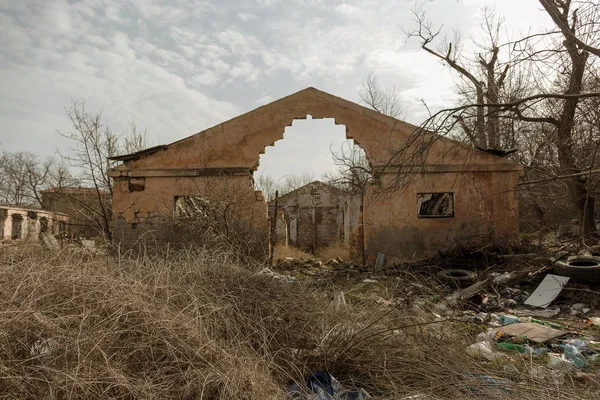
(492, 125)
(480, 120)
(577, 186)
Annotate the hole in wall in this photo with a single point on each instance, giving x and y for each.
(307, 168)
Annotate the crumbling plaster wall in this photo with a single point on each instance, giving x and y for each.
(485, 212)
(240, 141)
(480, 180)
(140, 215)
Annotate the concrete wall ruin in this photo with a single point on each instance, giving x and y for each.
(23, 224)
(408, 161)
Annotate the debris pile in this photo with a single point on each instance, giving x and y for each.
(269, 272)
(555, 347)
(553, 320)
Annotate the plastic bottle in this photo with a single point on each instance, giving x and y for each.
(559, 362)
(579, 344)
(536, 351)
(508, 319)
(523, 348)
(575, 356)
(539, 321)
(547, 323)
(512, 346)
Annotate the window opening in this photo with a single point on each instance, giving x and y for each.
(435, 205)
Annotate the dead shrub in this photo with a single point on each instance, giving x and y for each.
(191, 326)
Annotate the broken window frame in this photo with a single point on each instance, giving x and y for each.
(199, 207)
(437, 205)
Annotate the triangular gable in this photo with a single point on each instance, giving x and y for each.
(240, 141)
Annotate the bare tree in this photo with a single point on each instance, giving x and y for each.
(268, 185)
(385, 101)
(482, 79)
(567, 19)
(222, 215)
(292, 182)
(94, 143)
(23, 176)
(354, 170)
(559, 64)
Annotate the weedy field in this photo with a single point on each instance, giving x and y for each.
(202, 325)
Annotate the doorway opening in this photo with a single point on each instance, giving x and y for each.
(310, 181)
(43, 225)
(17, 226)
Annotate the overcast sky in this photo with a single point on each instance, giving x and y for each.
(177, 67)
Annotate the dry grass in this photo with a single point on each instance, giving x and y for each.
(281, 252)
(333, 251)
(330, 252)
(198, 326)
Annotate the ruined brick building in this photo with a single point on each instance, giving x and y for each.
(316, 216)
(80, 204)
(430, 192)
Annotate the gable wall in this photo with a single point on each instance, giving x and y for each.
(480, 180)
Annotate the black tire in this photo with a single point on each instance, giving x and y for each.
(457, 277)
(581, 269)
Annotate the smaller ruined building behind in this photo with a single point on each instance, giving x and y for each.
(82, 205)
(316, 216)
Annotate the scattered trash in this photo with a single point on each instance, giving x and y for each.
(594, 321)
(322, 386)
(490, 382)
(500, 279)
(339, 301)
(509, 319)
(507, 332)
(380, 261)
(478, 299)
(559, 362)
(547, 313)
(482, 350)
(573, 355)
(269, 272)
(50, 241)
(469, 292)
(532, 331)
(545, 323)
(547, 291)
(523, 348)
(580, 268)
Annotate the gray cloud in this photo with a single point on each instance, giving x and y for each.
(181, 66)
